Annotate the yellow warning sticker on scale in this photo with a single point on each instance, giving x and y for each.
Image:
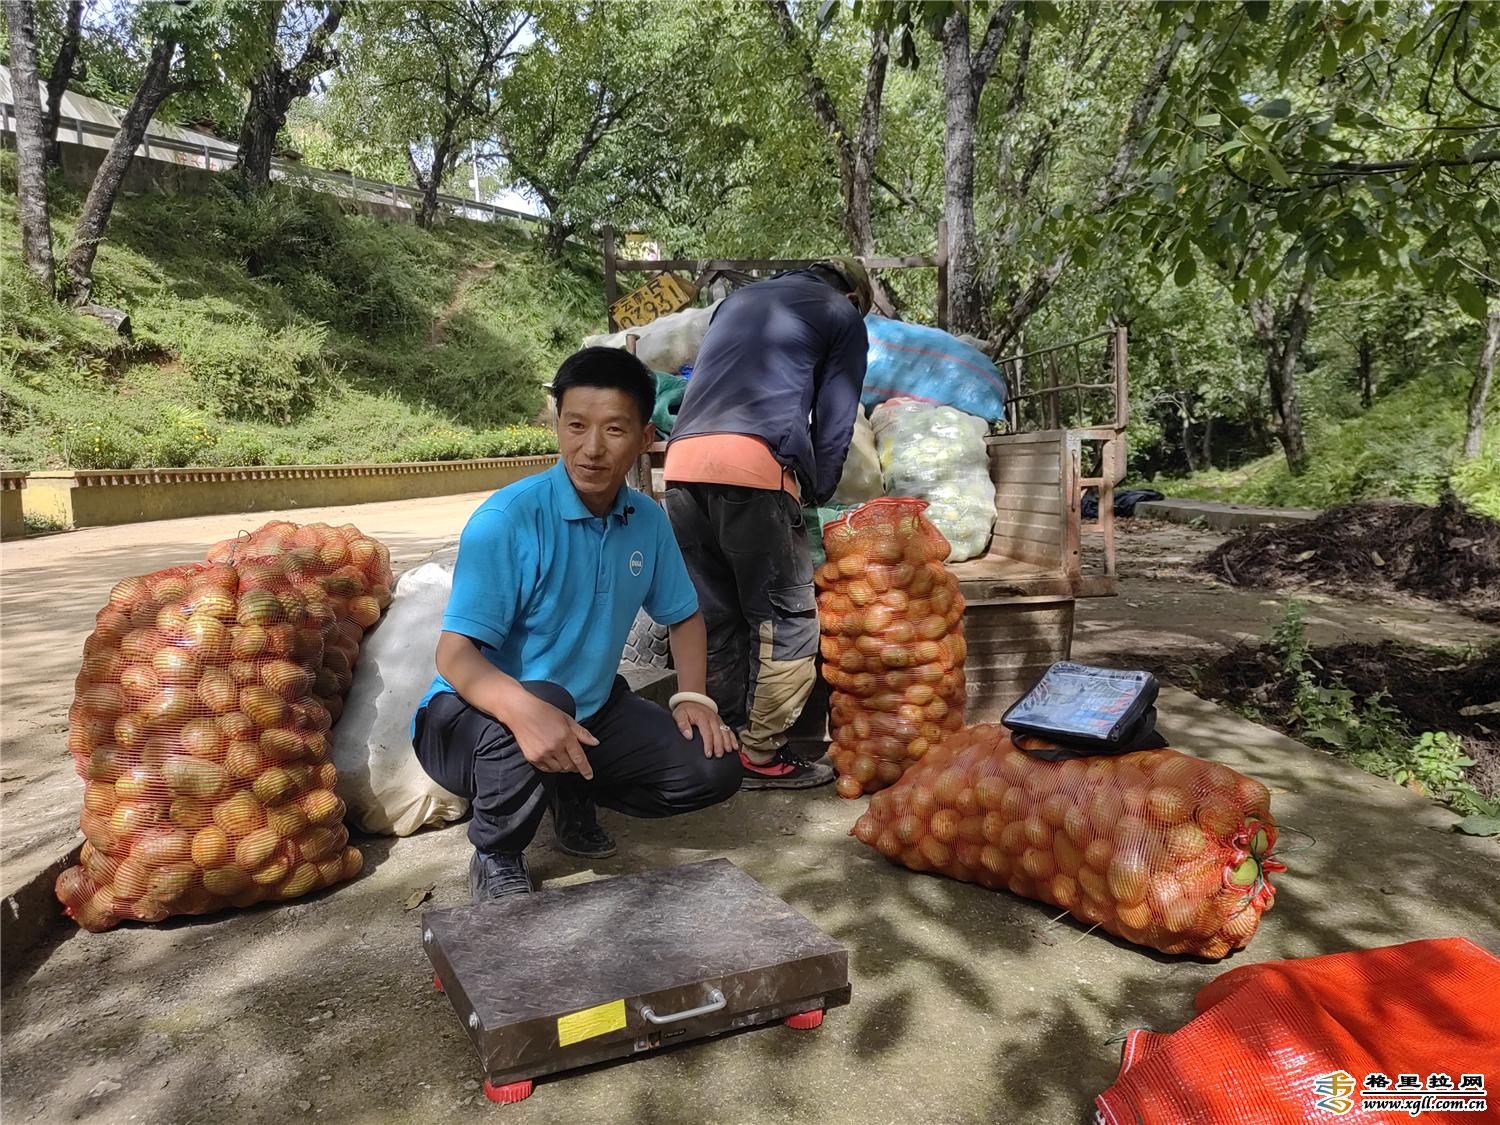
(590, 1022)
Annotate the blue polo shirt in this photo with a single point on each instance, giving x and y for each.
(549, 590)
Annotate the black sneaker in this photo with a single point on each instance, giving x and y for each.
(784, 772)
(576, 826)
(497, 875)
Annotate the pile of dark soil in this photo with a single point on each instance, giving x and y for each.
(1446, 553)
(1430, 688)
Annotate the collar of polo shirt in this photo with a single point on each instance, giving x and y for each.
(571, 505)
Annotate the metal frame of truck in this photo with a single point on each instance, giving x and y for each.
(1065, 436)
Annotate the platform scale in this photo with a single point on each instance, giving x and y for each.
(619, 967)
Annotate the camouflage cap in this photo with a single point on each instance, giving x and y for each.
(852, 270)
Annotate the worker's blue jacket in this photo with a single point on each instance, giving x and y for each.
(784, 361)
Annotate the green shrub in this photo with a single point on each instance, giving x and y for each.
(247, 372)
(236, 447)
(458, 445)
(101, 445)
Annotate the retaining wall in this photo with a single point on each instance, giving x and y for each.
(98, 498)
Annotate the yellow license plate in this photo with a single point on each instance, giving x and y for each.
(663, 294)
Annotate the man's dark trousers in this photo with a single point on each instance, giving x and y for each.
(642, 765)
(746, 552)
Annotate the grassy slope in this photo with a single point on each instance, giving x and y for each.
(325, 353)
(1403, 446)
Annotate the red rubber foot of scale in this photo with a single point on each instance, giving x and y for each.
(510, 1092)
(437, 983)
(805, 1021)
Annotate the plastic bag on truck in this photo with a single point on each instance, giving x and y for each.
(205, 758)
(938, 454)
(932, 366)
(669, 343)
(346, 570)
(380, 780)
(893, 649)
(861, 478)
(1156, 847)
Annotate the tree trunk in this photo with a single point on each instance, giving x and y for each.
(1187, 442)
(966, 305)
(274, 87)
(1206, 454)
(1280, 334)
(78, 267)
(263, 121)
(1366, 370)
(63, 70)
(1109, 193)
(1480, 392)
(558, 233)
(31, 148)
(856, 158)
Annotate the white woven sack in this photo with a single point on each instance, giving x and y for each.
(380, 780)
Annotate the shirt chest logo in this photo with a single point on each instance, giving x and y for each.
(637, 564)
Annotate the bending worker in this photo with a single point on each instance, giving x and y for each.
(764, 427)
(527, 711)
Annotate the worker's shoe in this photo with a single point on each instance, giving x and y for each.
(576, 826)
(497, 875)
(783, 772)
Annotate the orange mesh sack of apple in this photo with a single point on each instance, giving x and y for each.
(205, 757)
(343, 568)
(1157, 847)
(893, 648)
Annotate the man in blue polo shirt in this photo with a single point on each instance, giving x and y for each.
(527, 711)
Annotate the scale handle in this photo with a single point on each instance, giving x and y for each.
(716, 1000)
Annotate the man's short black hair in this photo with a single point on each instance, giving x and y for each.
(612, 368)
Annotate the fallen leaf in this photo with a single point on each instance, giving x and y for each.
(1480, 709)
(1459, 544)
(102, 1087)
(1376, 556)
(1305, 555)
(419, 896)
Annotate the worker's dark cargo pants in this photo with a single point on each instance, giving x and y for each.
(746, 551)
(642, 765)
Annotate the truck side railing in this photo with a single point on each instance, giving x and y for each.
(1077, 391)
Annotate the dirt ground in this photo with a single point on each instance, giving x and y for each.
(968, 1005)
(1440, 551)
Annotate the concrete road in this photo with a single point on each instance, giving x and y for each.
(50, 589)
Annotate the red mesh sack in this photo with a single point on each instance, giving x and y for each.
(1290, 1042)
(891, 617)
(206, 761)
(1156, 847)
(341, 567)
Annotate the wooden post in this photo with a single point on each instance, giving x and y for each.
(942, 275)
(611, 287)
(1122, 390)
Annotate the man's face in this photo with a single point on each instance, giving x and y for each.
(600, 433)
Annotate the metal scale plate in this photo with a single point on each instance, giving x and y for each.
(613, 968)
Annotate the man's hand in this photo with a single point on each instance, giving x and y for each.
(550, 739)
(718, 739)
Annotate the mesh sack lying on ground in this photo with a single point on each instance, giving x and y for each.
(380, 780)
(1156, 847)
(930, 365)
(1289, 1042)
(204, 755)
(893, 642)
(348, 571)
(938, 454)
